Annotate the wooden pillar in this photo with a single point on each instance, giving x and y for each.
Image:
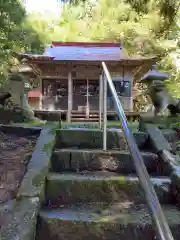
(40, 84)
(41, 90)
(70, 89)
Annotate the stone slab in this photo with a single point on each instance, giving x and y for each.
(103, 187)
(157, 138)
(34, 180)
(118, 221)
(163, 121)
(11, 115)
(175, 177)
(93, 139)
(121, 161)
(96, 160)
(165, 152)
(170, 135)
(61, 160)
(20, 130)
(21, 220)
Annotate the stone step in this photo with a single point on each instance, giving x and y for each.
(122, 220)
(97, 160)
(93, 139)
(100, 187)
(84, 119)
(170, 135)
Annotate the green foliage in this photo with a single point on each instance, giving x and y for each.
(146, 28)
(139, 24)
(47, 147)
(16, 34)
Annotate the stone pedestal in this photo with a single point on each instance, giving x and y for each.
(26, 107)
(16, 88)
(19, 90)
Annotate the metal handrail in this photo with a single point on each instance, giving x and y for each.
(158, 217)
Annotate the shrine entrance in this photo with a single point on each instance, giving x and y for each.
(85, 96)
(55, 94)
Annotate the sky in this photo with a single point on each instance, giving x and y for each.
(42, 6)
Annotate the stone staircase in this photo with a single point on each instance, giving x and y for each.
(96, 194)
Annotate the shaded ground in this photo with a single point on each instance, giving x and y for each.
(15, 153)
(176, 144)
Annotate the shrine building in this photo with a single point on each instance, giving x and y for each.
(69, 76)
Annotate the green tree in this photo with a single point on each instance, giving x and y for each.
(146, 28)
(16, 34)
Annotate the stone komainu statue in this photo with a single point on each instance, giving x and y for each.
(15, 86)
(162, 100)
(5, 92)
(18, 92)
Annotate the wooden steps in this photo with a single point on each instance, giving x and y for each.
(81, 117)
(77, 116)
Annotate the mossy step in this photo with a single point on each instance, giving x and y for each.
(93, 139)
(117, 221)
(110, 124)
(170, 135)
(96, 160)
(100, 187)
(157, 138)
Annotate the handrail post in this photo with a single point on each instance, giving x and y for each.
(87, 97)
(100, 100)
(70, 89)
(105, 112)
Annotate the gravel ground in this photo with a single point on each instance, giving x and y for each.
(15, 153)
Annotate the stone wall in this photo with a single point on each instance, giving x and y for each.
(11, 115)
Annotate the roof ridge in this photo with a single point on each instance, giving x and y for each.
(86, 44)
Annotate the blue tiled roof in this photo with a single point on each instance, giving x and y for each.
(80, 53)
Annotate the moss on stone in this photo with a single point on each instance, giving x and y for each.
(21, 220)
(33, 183)
(69, 189)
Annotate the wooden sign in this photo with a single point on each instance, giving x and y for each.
(54, 70)
(87, 72)
(116, 74)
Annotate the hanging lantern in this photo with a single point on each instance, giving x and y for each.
(154, 74)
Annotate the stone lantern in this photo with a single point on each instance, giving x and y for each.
(154, 75)
(155, 83)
